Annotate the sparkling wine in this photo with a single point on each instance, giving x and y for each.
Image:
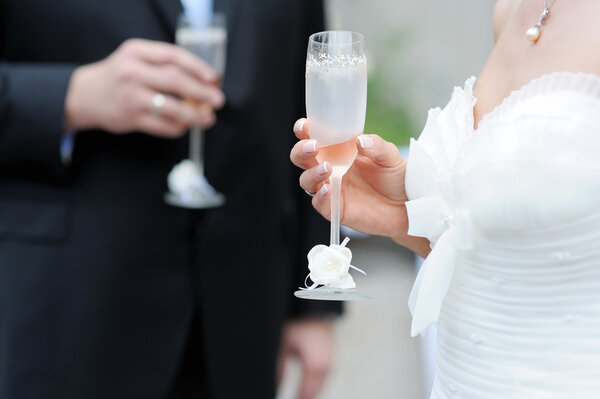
(336, 97)
(340, 156)
(208, 44)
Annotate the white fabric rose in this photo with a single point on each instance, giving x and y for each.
(185, 177)
(330, 265)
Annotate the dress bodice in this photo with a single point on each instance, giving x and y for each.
(512, 211)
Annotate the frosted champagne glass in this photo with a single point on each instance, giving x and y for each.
(188, 187)
(336, 103)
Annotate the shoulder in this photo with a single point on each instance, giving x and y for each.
(503, 10)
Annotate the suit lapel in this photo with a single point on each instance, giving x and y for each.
(228, 8)
(167, 12)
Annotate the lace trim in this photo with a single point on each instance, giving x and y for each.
(578, 82)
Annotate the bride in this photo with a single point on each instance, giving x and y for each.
(501, 195)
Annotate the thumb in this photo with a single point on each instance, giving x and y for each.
(382, 152)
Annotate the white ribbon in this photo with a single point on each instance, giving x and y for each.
(450, 229)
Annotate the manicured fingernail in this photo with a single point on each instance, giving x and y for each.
(322, 168)
(309, 147)
(299, 126)
(365, 141)
(323, 190)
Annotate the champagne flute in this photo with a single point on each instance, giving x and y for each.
(336, 103)
(188, 187)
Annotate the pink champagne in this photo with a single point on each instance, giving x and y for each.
(340, 156)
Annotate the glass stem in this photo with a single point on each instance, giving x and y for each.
(196, 148)
(336, 192)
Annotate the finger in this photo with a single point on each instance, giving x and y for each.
(187, 114)
(322, 201)
(157, 52)
(312, 179)
(301, 128)
(179, 112)
(380, 151)
(159, 126)
(304, 153)
(173, 80)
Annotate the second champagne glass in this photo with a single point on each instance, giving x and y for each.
(188, 187)
(336, 103)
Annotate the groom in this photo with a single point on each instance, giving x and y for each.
(105, 291)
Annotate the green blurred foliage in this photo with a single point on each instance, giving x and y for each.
(385, 114)
(388, 120)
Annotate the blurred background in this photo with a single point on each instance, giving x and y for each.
(418, 50)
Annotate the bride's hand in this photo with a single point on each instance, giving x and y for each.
(373, 193)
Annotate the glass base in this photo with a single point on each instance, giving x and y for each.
(195, 201)
(332, 294)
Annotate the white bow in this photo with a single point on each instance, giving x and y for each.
(432, 217)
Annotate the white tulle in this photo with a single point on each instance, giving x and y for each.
(513, 213)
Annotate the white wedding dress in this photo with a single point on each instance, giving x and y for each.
(513, 213)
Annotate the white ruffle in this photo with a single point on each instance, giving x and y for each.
(447, 129)
(449, 132)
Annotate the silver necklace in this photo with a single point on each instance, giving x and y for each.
(533, 33)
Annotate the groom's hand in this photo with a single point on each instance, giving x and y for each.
(143, 86)
(311, 341)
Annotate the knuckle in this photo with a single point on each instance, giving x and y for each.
(174, 54)
(130, 45)
(125, 72)
(166, 53)
(316, 203)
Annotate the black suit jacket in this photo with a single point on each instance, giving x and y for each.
(100, 281)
